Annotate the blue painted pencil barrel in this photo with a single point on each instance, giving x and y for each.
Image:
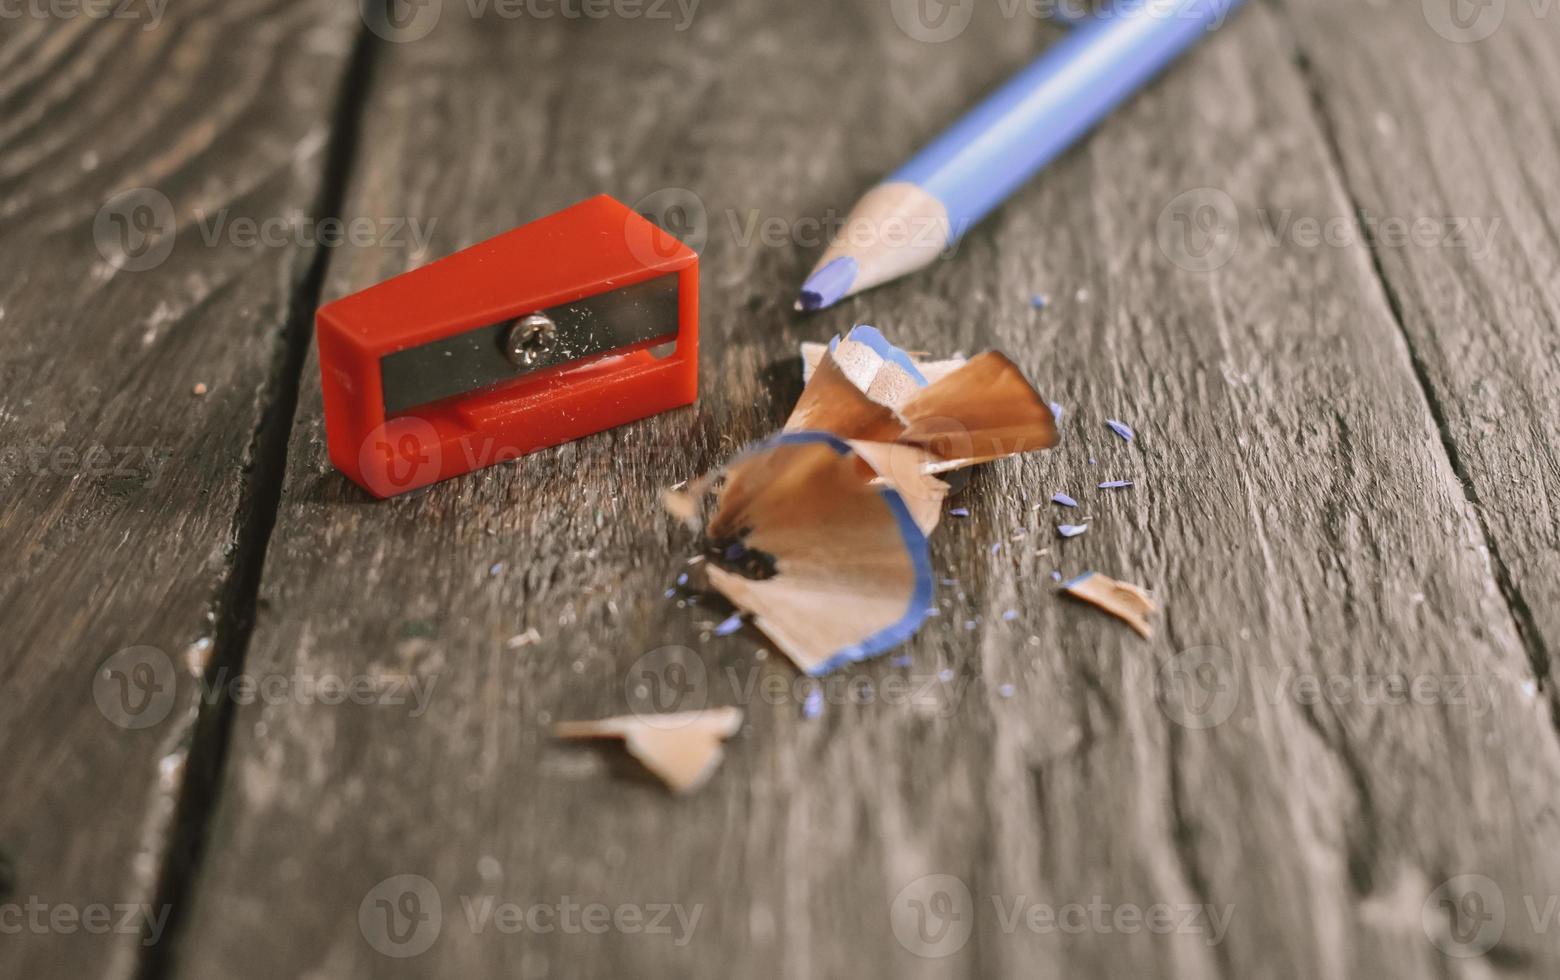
(985, 156)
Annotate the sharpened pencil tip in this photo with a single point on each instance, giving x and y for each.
(828, 285)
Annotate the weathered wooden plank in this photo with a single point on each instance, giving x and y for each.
(122, 520)
(1294, 507)
(1447, 123)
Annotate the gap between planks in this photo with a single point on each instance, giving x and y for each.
(253, 524)
(1516, 603)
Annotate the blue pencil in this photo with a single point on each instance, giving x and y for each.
(910, 218)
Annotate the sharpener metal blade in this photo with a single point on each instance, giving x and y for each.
(643, 313)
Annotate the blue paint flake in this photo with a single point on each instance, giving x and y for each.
(682, 579)
(670, 593)
(1121, 429)
(812, 705)
(959, 512)
(1063, 499)
(1010, 615)
(1071, 530)
(1006, 690)
(1056, 412)
(996, 547)
(903, 660)
(1056, 575)
(1115, 484)
(1039, 301)
(729, 625)
(945, 675)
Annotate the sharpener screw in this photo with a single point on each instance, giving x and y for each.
(529, 338)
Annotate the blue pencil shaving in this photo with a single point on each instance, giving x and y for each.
(1039, 301)
(729, 625)
(959, 512)
(1056, 576)
(1056, 412)
(682, 579)
(1071, 530)
(812, 704)
(1121, 429)
(862, 333)
(1063, 499)
(1010, 615)
(1115, 484)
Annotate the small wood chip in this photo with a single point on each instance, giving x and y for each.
(1127, 602)
(683, 749)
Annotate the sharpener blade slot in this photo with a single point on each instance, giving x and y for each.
(634, 316)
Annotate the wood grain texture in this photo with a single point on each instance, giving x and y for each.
(1295, 509)
(1451, 125)
(121, 492)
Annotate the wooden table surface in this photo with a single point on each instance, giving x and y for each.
(1317, 267)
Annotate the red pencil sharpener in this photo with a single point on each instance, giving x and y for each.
(578, 322)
